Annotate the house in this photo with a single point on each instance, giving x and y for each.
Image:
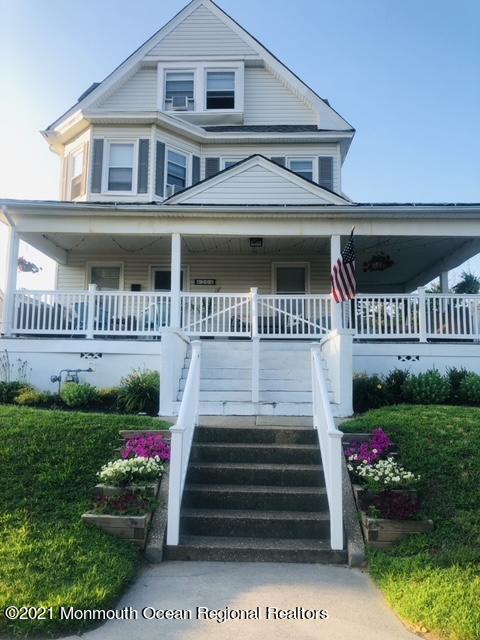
(201, 198)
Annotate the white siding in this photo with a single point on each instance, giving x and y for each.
(269, 101)
(201, 33)
(233, 273)
(255, 185)
(138, 93)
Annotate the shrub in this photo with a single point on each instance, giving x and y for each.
(383, 474)
(10, 390)
(396, 506)
(107, 398)
(148, 446)
(427, 388)
(33, 398)
(455, 377)
(368, 393)
(129, 504)
(132, 471)
(469, 389)
(140, 392)
(393, 385)
(78, 396)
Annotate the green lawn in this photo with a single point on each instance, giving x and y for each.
(48, 557)
(433, 581)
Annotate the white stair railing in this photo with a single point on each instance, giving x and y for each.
(330, 439)
(181, 444)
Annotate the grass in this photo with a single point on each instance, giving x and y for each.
(433, 580)
(48, 557)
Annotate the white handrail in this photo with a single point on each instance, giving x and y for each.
(181, 444)
(330, 439)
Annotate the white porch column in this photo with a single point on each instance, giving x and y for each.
(335, 252)
(176, 273)
(444, 282)
(11, 279)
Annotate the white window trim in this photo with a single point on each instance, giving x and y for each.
(106, 158)
(101, 263)
(306, 265)
(223, 161)
(233, 70)
(312, 159)
(168, 70)
(185, 269)
(80, 148)
(188, 167)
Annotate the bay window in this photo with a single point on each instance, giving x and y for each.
(176, 172)
(76, 174)
(120, 166)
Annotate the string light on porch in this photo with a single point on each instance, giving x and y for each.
(138, 249)
(378, 262)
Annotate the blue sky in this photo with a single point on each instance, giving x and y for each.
(405, 74)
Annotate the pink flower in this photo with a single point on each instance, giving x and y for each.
(147, 446)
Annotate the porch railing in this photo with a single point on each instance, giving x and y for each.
(416, 316)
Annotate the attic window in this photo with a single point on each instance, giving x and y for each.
(76, 174)
(220, 90)
(304, 168)
(179, 91)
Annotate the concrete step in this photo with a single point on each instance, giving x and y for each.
(273, 498)
(251, 523)
(229, 549)
(244, 473)
(265, 435)
(256, 453)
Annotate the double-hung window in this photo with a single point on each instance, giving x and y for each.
(220, 90)
(107, 277)
(120, 166)
(176, 172)
(179, 91)
(76, 174)
(303, 167)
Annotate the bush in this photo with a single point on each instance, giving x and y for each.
(33, 398)
(78, 396)
(427, 388)
(455, 377)
(107, 398)
(469, 389)
(10, 390)
(368, 393)
(140, 392)
(393, 385)
(147, 446)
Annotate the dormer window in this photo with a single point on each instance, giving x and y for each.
(120, 167)
(220, 90)
(304, 167)
(179, 90)
(76, 174)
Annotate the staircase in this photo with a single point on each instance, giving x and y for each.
(255, 494)
(226, 378)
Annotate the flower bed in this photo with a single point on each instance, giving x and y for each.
(384, 491)
(125, 497)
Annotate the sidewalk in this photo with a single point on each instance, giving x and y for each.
(355, 607)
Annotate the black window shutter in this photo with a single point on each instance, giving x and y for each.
(142, 179)
(212, 167)
(195, 169)
(160, 169)
(97, 165)
(325, 172)
(279, 160)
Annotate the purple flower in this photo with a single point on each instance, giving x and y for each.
(147, 446)
(371, 451)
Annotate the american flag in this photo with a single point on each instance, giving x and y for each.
(344, 286)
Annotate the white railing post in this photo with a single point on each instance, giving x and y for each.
(176, 276)
(255, 347)
(174, 485)
(335, 253)
(92, 290)
(13, 243)
(422, 314)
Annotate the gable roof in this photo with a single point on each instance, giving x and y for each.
(329, 118)
(257, 180)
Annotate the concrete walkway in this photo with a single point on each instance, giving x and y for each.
(355, 607)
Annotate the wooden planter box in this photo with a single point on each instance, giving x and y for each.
(361, 493)
(380, 533)
(132, 528)
(148, 489)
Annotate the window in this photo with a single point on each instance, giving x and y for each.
(120, 167)
(304, 168)
(162, 279)
(220, 90)
(76, 174)
(291, 278)
(106, 277)
(179, 91)
(229, 163)
(176, 172)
